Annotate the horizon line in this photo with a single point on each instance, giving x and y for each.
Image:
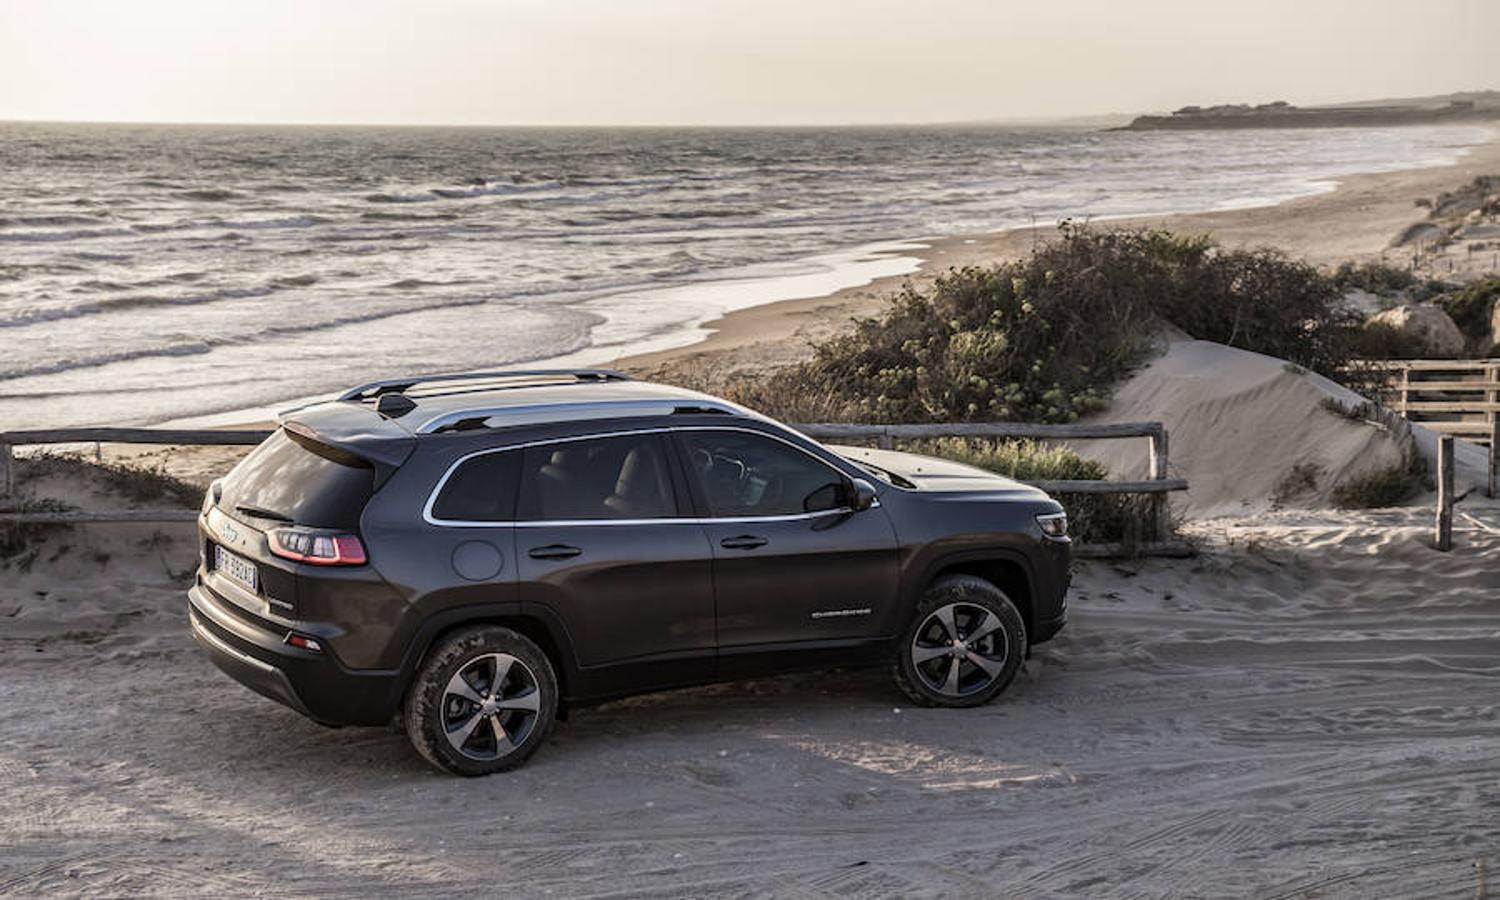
(1017, 120)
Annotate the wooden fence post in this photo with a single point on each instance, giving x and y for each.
(1444, 536)
(1494, 470)
(1160, 511)
(7, 467)
(1492, 397)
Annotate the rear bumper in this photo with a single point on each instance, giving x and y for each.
(314, 684)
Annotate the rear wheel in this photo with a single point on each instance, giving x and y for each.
(965, 643)
(483, 702)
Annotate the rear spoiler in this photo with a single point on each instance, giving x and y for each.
(383, 453)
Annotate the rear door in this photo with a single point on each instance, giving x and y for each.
(795, 569)
(287, 479)
(605, 542)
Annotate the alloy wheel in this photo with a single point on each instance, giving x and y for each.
(491, 706)
(960, 649)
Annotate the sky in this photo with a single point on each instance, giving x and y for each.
(720, 62)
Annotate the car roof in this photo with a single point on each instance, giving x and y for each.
(435, 404)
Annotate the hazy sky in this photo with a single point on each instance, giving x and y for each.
(719, 61)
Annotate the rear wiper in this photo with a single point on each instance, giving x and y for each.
(259, 513)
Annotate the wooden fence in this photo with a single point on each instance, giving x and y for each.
(1157, 486)
(1460, 397)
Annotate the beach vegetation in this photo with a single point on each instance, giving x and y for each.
(1092, 518)
(1472, 309)
(1384, 280)
(133, 483)
(1300, 481)
(1044, 338)
(1387, 486)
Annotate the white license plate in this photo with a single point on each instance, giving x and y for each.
(237, 568)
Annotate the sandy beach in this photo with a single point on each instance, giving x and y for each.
(1355, 221)
(1301, 709)
(1304, 709)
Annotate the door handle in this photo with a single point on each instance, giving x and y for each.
(743, 542)
(553, 551)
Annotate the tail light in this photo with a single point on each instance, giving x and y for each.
(318, 548)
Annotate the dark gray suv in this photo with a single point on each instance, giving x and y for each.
(477, 552)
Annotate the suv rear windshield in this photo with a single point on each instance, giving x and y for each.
(288, 478)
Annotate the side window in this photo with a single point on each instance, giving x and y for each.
(744, 474)
(481, 489)
(623, 477)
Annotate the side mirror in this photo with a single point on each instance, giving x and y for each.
(863, 494)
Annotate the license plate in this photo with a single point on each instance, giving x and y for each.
(237, 568)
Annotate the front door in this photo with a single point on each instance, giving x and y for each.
(602, 543)
(793, 563)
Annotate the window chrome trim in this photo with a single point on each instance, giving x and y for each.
(432, 497)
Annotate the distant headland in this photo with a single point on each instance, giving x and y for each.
(1463, 107)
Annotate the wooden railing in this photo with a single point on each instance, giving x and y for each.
(1460, 397)
(1157, 486)
(170, 436)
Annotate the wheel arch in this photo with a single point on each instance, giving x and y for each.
(548, 634)
(1005, 569)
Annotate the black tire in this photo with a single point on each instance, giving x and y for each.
(455, 690)
(933, 670)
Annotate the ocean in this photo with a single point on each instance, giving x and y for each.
(155, 273)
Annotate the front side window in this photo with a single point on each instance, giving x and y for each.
(743, 474)
(624, 477)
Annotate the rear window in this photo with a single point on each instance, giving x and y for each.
(291, 479)
(481, 489)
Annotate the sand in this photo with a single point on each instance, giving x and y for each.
(1249, 432)
(1305, 709)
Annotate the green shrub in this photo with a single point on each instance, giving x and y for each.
(1472, 306)
(1390, 486)
(1092, 518)
(1384, 280)
(1023, 460)
(1044, 338)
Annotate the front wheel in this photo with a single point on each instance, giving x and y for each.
(483, 702)
(965, 643)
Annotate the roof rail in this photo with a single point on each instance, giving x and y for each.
(401, 385)
(532, 414)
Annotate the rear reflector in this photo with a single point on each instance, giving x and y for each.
(306, 643)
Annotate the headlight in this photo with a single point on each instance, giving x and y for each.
(1053, 525)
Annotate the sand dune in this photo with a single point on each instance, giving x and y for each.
(1250, 432)
(1239, 424)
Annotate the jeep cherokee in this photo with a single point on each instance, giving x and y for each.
(474, 553)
